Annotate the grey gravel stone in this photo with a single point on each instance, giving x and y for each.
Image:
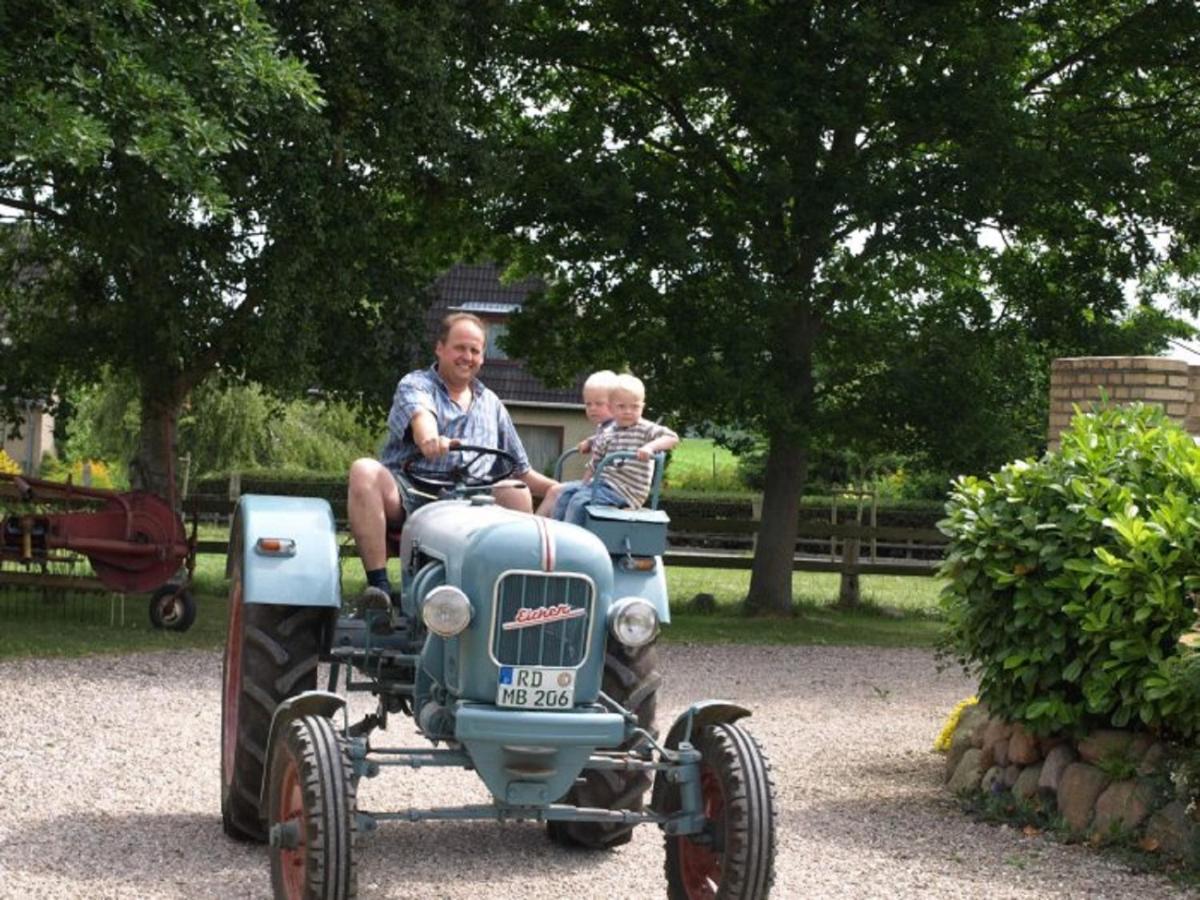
(109, 787)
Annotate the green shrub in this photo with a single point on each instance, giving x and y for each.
(1069, 576)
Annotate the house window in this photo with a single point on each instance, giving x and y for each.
(495, 331)
(543, 445)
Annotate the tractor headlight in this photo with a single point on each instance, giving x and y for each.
(634, 621)
(446, 611)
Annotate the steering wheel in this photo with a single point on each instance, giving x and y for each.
(460, 477)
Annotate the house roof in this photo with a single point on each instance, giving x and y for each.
(476, 288)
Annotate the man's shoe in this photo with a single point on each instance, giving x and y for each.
(375, 606)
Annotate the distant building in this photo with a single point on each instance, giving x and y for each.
(36, 440)
(549, 420)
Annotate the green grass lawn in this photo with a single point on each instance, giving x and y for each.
(698, 464)
(896, 612)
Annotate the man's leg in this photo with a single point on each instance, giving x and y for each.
(518, 498)
(372, 500)
(546, 507)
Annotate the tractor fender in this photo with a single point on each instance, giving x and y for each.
(309, 703)
(705, 712)
(287, 550)
(695, 717)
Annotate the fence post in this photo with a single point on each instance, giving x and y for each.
(756, 515)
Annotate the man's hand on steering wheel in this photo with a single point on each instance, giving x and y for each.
(437, 445)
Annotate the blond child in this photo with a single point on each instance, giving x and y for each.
(595, 406)
(626, 484)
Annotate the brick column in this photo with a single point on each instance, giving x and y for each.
(1079, 381)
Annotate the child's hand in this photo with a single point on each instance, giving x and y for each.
(645, 452)
(585, 446)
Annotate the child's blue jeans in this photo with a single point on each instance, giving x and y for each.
(599, 493)
(569, 490)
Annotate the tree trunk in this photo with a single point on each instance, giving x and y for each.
(154, 462)
(771, 577)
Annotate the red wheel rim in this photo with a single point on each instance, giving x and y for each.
(233, 679)
(700, 864)
(290, 810)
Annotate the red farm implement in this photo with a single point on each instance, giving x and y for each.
(135, 542)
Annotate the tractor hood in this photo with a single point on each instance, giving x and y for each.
(477, 535)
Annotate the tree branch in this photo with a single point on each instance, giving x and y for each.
(1084, 51)
(35, 208)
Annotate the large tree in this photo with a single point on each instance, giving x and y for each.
(263, 189)
(747, 200)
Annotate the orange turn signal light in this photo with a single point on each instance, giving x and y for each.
(275, 546)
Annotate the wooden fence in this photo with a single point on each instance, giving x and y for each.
(728, 543)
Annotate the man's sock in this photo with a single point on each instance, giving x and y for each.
(379, 578)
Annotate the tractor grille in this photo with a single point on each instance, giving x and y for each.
(560, 642)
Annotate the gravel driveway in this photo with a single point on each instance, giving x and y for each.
(109, 775)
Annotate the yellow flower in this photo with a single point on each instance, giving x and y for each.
(8, 465)
(98, 470)
(942, 743)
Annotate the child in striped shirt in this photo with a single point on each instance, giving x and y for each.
(627, 483)
(595, 407)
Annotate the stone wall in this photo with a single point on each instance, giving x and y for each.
(1110, 786)
(1079, 381)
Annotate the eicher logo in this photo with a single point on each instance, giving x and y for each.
(543, 615)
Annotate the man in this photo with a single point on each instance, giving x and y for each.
(433, 410)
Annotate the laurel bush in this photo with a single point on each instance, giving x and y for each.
(1070, 576)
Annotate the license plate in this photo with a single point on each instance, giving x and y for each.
(532, 687)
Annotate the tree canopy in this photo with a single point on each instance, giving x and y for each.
(794, 216)
(260, 189)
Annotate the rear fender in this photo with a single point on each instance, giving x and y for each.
(306, 572)
(310, 703)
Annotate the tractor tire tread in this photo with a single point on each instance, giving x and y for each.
(329, 798)
(288, 680)
(747, 867)
(272, 640)
(633, 680)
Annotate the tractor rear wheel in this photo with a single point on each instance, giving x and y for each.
(312, 813)
(734, 856)
(271, 653)
(631, 678)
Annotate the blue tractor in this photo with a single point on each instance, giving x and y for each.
(522, 648)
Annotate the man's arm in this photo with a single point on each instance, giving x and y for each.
(426, 437)
(538, 483)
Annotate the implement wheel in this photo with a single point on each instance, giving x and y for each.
(312, 815)
(631, 678)
(271, 653)
(734, 856)
(172, 608)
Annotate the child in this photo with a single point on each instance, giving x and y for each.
(624, 484)
(595, 406)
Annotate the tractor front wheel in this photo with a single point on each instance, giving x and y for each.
(631, 678)
(734, 856)
(271, 653)
(312, 817)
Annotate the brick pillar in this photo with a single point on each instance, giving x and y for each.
(1079, 381)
